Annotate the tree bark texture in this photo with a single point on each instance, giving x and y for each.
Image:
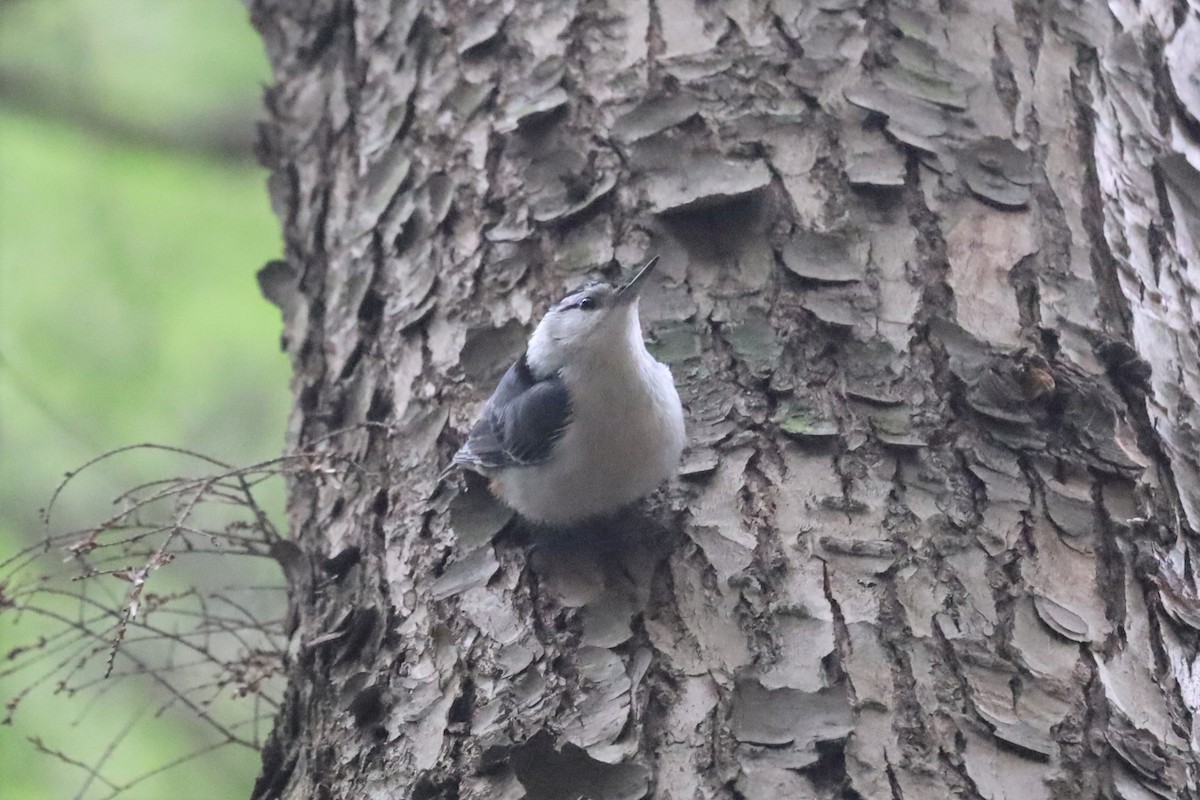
(929, 288)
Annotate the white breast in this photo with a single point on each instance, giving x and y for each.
(624, 439)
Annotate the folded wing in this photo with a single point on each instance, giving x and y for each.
(520, 423)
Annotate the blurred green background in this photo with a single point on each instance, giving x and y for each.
(132, 220)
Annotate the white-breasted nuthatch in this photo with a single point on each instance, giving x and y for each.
(586, 421)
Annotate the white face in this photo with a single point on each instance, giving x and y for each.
(586, 320)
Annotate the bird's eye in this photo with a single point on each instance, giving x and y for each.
(587, 304)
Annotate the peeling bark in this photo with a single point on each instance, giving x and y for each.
(930, 292)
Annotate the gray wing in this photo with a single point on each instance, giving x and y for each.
(520, 423)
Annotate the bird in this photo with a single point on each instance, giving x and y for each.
(586, 421)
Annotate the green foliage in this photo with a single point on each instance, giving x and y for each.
(162, 66)
(128, 312)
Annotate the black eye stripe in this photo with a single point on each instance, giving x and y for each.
(590, 296)
(583, 304)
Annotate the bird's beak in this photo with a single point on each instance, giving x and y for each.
(629, 292)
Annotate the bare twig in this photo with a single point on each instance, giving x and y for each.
(118, 603)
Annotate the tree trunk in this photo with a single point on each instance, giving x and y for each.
(929, 291)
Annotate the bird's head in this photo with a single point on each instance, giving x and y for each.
(595, 318)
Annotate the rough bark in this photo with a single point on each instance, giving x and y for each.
(930, 294)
